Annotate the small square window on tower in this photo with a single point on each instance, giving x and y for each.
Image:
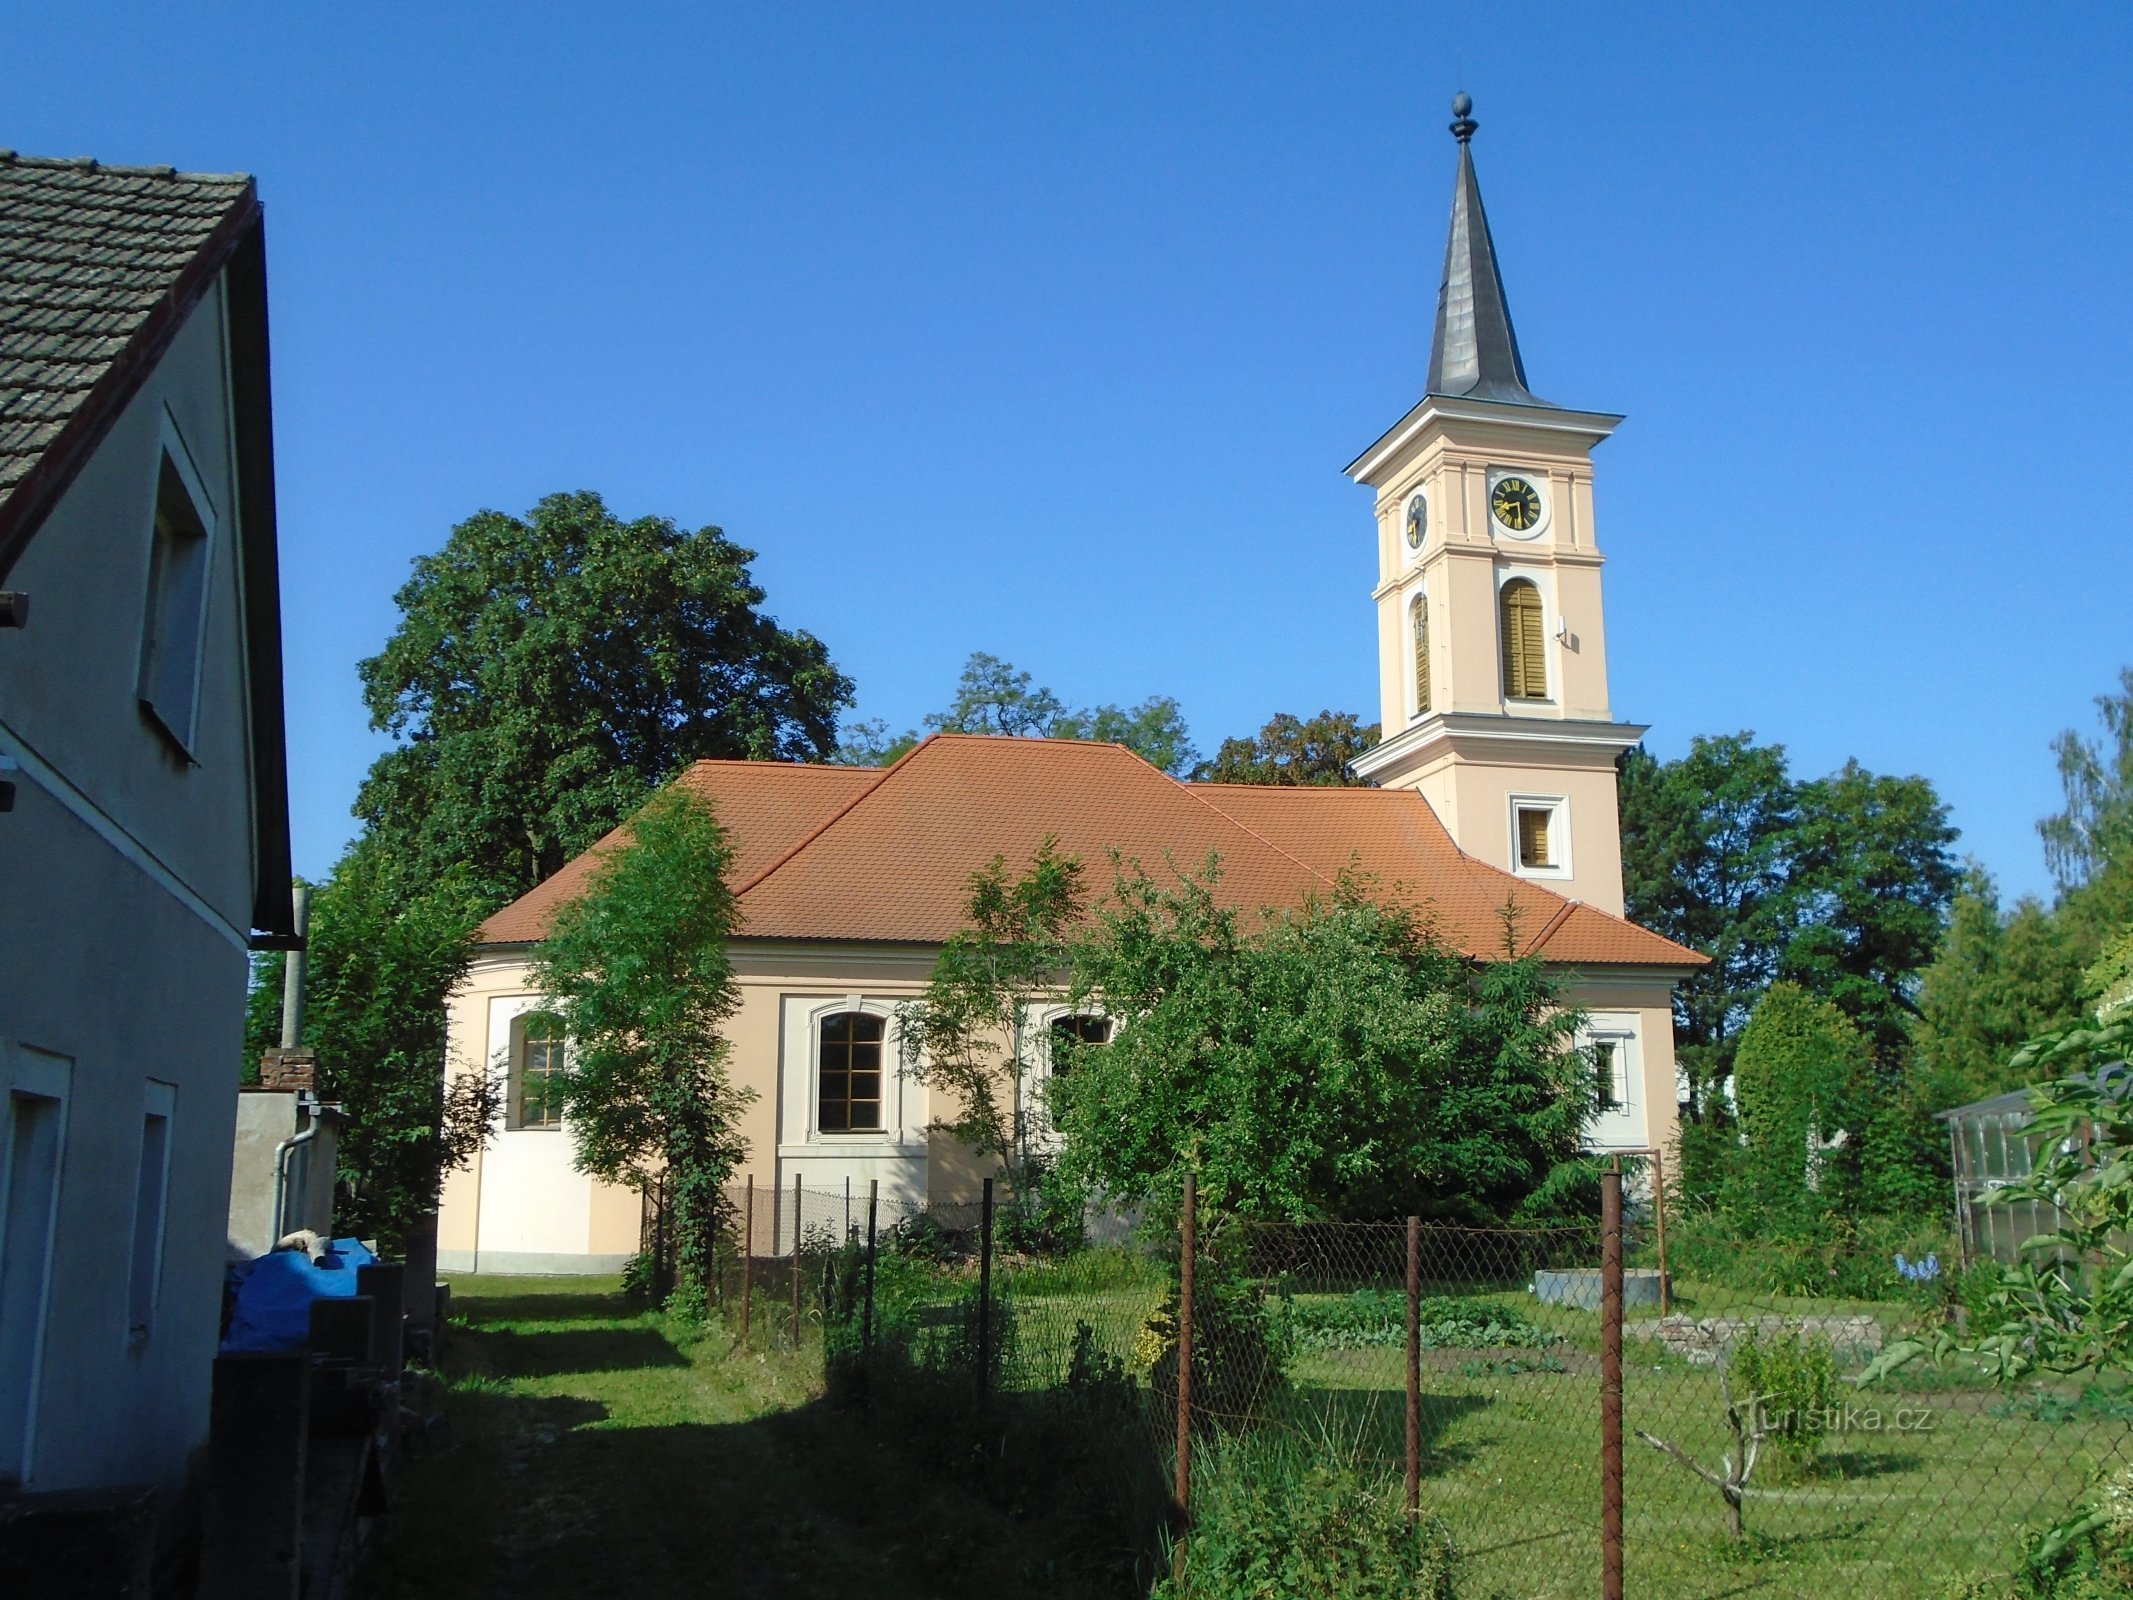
(1540, 836)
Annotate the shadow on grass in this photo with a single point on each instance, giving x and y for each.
(1849, 1465)
(484, 1310)
(508, 1353)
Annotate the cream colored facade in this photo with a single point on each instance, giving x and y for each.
(1478, 754)
(522, 1207)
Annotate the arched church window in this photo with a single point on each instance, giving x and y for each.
(1421, 656)
(535, 1099)
(1525, 662)
(849, 1076)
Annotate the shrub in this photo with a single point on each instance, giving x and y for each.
(1797, 1071)
(1237, 1348)
(1793, 1382)
(1265, 1527)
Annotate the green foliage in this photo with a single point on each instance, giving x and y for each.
(637, 969)
(385, 951)
(1799, 1074)
(547, 672)
(1238, 1347)
(965, 1034)
(1831, 1252)
(2086, 1555)
(1266, 1527)
(1840, 884)
(1292, 752)
(1334, 1061)
(1376, 1319)
(2095, 828)
(2108, 982)
(1793, 1384)
(993, 697)
(1999, 980)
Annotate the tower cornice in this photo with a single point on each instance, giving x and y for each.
(1583, 428)
(1504, 740)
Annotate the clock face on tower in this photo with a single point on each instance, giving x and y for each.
(1516, 504)
(1417, 522)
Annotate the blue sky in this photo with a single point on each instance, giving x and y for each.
(1046, 330)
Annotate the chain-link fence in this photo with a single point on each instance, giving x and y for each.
(1559, 1410)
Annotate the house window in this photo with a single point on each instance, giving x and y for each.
(1072, 1032)
(1421, 656)
(1525, 664)
(536, 1098)
(1607, 1090)
(849, 1079)
(33, 1113)
(177, 609)
(151, 1194)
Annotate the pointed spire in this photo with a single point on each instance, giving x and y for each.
(1474, 352)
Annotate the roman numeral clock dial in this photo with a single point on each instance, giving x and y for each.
(1516, 504)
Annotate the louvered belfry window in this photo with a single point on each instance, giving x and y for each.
(1421, 656)
(1533, 833)
(1525, 663)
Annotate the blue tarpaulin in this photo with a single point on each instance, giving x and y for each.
(274, 1295)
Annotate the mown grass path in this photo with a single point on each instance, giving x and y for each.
(594, 1449)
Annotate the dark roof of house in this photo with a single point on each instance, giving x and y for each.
(99, 268)
(886, 854)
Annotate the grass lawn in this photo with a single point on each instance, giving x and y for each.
(596, 1449)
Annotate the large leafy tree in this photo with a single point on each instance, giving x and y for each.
(2095, 828)
(994, 697)
(1328, 1061)
(636, 968)
(549, 670)
(1293, 751)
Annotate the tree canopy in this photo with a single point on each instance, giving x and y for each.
(636, 968)
(994, 697)
(548, 671)
(1290, 751)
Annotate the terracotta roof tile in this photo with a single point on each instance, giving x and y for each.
(886, 855)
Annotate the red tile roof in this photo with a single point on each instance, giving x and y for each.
(867, 854)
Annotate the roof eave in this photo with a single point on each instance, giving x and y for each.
(1587, 427)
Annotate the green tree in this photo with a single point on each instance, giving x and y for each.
(1290, 751)
(1870, 876)
(995, 698)
(965, 1034)
(1799, 1075)
(2095, 828)
(1333, 1060)
(1999, 979)
(636, 968)
(1706, 860)
(549, 671)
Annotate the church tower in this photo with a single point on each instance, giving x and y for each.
(1492, 647)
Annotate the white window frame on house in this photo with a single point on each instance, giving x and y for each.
(1557, 807)
(151, 1209)
(1038, 1021)
(517, 1074)
(891, 1076)
(183, 538)
(1623, 1125)
(26, 1262)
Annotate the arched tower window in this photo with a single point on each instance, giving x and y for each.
(1421, 656)
(1525, 663)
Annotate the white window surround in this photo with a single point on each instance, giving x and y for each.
(515, 1065)
(151, 1208)
(1624, 1125)
(504, 1013)
(180, 575)
(1558, 808)
(27, 1074)
(1037, 1023)
(1543, 582)
(800, 1083)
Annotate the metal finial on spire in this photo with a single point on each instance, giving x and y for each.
(1463, 123)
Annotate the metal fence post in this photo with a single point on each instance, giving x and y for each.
(985, 1299)
(747, 1249)
(1187, 1245)
(866, 1326)
(1414, 1369)
(796, 1260)
(1611, 1384)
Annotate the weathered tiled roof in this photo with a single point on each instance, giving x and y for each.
(886, 855)
(89, 257)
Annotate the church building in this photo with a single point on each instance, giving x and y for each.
(1492, 805)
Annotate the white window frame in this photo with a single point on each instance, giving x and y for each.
(1037, 1128)
(891, 1127)
(42, 1075)
(1624, 1126)
(1558, 808)
(151, 1211)
(180, 721)
(515, 1068)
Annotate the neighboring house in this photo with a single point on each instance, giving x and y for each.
(144, 818)
(1497, 775)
